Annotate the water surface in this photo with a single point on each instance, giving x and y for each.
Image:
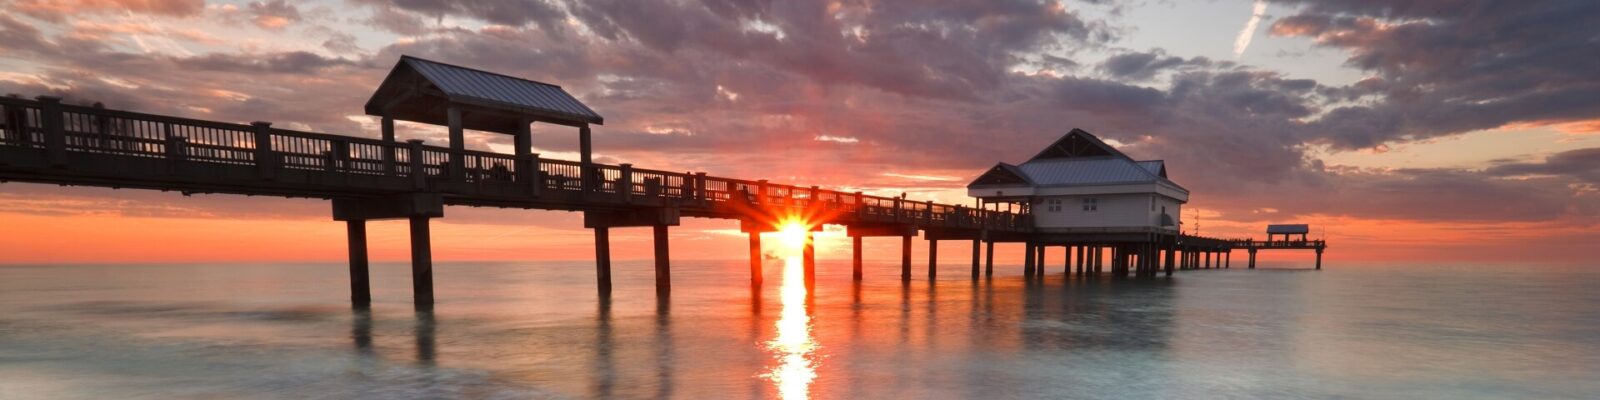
(538, 330)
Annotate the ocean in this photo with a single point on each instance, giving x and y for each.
(538, 330)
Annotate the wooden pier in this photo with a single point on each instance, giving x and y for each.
(47, 141)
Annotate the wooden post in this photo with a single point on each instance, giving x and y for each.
(265, 165)
(177, 151)
(527, 169)
(1319, 258)
(387, 124)
(458, 144)
(535, 175)
(855, 258)
(602, 260)
(586, 161)
(1252, 258)
(755, 258)
(988, 257)
(1066, 253)
(933, 258)
(977, 251)
(1171, 253)
(53, 123)
(905, 257)
(360, 289)
(1227, 260)
(700, 187)
(1029, 252)
(625, 182)
(421, 265)
(663, 262)
(419, 169)
(808, 260)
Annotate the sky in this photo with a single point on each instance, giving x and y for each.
(1403, 130)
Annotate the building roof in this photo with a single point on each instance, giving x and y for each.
(1293, 229)
(419, 90)
(1078, 159)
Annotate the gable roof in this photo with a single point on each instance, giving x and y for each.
(1002, 174)
(417, 89)
(1080, 159)
(1075, 144)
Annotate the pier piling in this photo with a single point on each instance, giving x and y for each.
(360, 288)
(808, 260)
(905, 258)
(755, 257)
(663, 262)
(421, 265)
(933, 258)
(602, 261)
(855, 258)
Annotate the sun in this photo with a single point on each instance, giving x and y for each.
(792, 233)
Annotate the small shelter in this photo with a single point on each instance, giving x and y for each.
(1287, 230)
(461, 98)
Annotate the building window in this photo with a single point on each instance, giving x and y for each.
(1053, 205)
(1091, 204)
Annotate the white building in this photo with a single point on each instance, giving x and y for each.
(1081, 184)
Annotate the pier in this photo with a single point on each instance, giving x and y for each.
(46, 141)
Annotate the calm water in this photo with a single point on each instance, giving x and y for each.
(537, 330)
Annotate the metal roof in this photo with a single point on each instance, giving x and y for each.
(461, 83)
(1288, 228)
(1154, 166)
(1086, 171)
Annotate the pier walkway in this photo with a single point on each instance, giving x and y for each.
(49, 142)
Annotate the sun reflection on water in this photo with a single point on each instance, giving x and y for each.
(793, 347)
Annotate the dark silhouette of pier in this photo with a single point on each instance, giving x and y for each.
(47, 141)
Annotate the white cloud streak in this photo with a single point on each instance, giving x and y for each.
(1243, 41)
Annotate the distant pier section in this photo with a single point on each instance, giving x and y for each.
(1293, 237)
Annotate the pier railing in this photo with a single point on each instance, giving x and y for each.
(58, 129)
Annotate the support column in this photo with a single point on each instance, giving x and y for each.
(360, 289)
(755, 258)
(933, 259)
(602, 261)
(1027, 259)
(1067, 254)
(808, 259)
(855, 258)
(1172, 252)
(421, 265)
(905, 258)
(663, 262)
(1252, 258)
(1208, 259)
(1038, 261)
(1319, 259)
(1227, 259)
(988, 258)
(1082, 257)
(977, 249)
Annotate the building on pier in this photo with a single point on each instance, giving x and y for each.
(1080, 183)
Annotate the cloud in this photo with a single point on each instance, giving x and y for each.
(1448, 67)
(273, 15)
(1242, 42)
(62, 10)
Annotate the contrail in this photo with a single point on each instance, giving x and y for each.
(1243, 41)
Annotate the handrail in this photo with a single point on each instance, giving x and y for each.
(59, 128)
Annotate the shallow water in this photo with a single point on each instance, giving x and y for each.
(521, 330)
